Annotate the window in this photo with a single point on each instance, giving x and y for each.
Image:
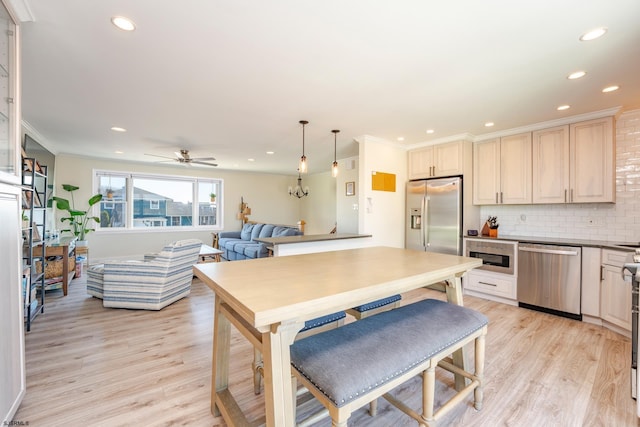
(135, 201)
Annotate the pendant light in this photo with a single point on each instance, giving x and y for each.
(302, 167)
(334, 166)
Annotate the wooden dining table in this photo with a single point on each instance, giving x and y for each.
(269, 299)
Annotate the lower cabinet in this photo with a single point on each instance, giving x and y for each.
(615, 291)
(493, 286)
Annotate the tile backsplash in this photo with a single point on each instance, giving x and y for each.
(619, 222)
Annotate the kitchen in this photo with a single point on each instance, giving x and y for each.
(596, 230)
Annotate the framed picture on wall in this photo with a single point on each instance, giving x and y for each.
(350, 188)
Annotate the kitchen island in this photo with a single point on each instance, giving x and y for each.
(311, 243)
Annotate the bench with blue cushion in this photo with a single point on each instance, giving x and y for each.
(347, 367)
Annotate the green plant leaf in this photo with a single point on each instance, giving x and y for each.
(69, 187)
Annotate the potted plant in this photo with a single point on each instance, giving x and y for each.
(79, 220)
(213, 197)
(25, 220)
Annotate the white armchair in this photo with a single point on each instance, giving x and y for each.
(151, 284)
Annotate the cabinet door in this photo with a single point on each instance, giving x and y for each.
(448, 159)
(515, 169)
(592, 161)
(420, 163)
(486, 172)
(550, 162)
(615, 298)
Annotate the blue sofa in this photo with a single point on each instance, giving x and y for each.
(241, 244)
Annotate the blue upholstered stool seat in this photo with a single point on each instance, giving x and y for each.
(323, 320)
(377, 303)
(350, 361)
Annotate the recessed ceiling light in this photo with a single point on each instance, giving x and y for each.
(401, 138)
(563, 107)
(251, 160)
(430, 131)
(123, 23)
(576, 75)
(610, 88)
(119, 152)
(489, 124)
(270, 152)
(118, 129)
(593, 34)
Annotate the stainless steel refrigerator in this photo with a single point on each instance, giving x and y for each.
(434, 215)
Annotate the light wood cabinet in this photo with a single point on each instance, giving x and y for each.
(502, 170)
(550, 165)
(592, 161)
(437, 160)
(615, 292)
(575, 163)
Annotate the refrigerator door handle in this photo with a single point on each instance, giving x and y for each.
(425, 221)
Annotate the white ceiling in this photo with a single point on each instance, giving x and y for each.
(231, 79)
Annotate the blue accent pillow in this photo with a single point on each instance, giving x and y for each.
(245, 234)
(267, 230)
(256, 231)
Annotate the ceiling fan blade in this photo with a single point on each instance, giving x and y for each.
(203, 163)
(155, 155)
(181, 155)
(203, 159)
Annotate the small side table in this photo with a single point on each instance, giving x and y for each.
(209, 254)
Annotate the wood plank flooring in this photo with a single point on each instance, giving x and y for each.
(92, 366)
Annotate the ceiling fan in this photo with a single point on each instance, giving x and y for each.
(183, 156)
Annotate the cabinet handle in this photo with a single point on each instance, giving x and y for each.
(602, 273)
(565, 195)
(496, 197)
(571, 198)
(486, 283)
(501, 199)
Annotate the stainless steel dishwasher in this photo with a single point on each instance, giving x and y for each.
(549, 278)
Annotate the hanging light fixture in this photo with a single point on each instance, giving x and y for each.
(302, 166)
(334, 166)
(299, 192)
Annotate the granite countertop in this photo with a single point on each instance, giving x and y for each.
(309, 238)
(603, 244)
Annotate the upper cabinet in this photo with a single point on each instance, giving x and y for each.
(437, 160)
(575, 163)
(502, 170)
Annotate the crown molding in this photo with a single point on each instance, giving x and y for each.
(37, 136)
(551, 123)
(459, 137)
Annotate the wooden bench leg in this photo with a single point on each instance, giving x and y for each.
(258, 367)
(478, 393)
(428, 392)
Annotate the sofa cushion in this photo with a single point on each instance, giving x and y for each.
(255, 231)
(267, 230)
(284, 231)
(255, 250)
(245, 234)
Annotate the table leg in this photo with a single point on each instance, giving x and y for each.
(65, 270)
(460, 357)
(221, 352)
(279, 406)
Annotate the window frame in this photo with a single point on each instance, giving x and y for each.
(196, 183)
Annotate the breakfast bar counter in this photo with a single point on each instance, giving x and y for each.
(310, 243)
(269, 299)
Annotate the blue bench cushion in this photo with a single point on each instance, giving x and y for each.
(377, 303)
(346, 362)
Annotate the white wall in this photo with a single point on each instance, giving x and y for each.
(266, 194)
(381, 213)
(318, 209)
(619, 222)
(347, 207)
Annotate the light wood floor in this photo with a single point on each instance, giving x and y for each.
(91, 366)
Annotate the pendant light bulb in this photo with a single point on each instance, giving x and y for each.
(334, 165)
(302, 166)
